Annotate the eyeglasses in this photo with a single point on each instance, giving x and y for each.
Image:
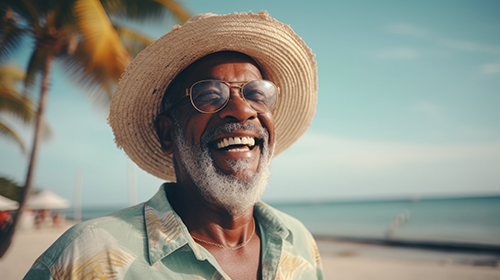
(211, 96)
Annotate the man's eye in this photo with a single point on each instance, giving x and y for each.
(256, 96)
(208, 96)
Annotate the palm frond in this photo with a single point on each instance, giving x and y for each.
(30, 12)
(64, 16)
(179, 12)
(100, 40)
(11, 100)
(145, 9)
(11, 75)
(133, 41)
(8, 133)
(11, 35)
(17, 105)
(10, 189)
(134, 9)
(96, 83)
(19, 8)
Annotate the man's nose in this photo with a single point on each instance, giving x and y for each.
(237, 108)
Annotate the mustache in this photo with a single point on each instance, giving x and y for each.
(207, 136)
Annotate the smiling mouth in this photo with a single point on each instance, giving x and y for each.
(236, 144)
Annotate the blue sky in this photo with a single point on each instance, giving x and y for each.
(408, 106)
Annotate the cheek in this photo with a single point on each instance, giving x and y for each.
(184, 117)
(195, 128)
(266, 120)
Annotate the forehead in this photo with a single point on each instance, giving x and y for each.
(223, 66)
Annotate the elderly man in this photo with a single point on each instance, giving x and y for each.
(205, 106)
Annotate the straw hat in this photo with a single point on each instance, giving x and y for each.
(283, 56)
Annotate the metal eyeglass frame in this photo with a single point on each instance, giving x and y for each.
(230, 85)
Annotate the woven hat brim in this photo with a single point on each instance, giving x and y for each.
(283, 56)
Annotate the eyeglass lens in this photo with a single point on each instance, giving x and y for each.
(211, 96)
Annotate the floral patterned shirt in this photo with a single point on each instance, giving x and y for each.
(150, 241)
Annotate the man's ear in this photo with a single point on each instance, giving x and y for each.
(165, 128)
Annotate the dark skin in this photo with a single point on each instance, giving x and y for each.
(216, 224)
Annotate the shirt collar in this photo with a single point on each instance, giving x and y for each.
(165, 230)
(266, 216)
(167, 233)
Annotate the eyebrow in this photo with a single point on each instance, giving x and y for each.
(212, 78)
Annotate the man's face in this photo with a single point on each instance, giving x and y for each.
(195, 124)
(238, 171)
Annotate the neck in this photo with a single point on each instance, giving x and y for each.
(216, 224)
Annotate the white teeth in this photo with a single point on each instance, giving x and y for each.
(249, 141)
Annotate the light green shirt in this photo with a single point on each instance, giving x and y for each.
(150, 241)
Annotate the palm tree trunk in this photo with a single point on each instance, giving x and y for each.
(6, 237)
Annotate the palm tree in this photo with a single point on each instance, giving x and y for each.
(13, 102)
(81, 35)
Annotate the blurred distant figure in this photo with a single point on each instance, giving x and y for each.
(43, 218)
(58, 219)
(400, 219)
(5, 220)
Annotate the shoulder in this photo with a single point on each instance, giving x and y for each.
(300, 253)
(117, 235)
(128, 219)
(295, 226)
(297, 235)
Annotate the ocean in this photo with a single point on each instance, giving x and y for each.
(474, 220)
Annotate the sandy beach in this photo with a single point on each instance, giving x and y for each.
(341, 260)
(357, 261)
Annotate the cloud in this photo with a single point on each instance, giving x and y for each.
(411, 53)
(469, 46)
(379, 155)
(398, 54)
(321, 166)
(402, 53)
(490, 68)
(406, 29)
(428, 109)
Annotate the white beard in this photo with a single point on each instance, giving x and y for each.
(227, 191)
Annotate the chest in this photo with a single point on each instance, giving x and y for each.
(243, 263)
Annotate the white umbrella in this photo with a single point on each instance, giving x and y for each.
(8, 204)
(47, 200)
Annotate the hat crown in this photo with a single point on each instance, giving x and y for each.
(200, 17)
